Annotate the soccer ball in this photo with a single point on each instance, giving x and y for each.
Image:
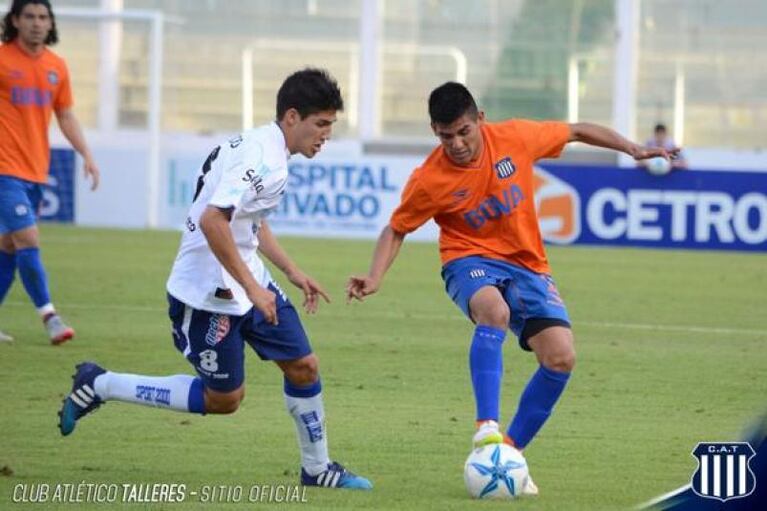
(495, 471)
(658, 166)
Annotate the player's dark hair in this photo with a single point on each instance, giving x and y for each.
(309, 91)
(10, 32)
(449, 101)
(660, 128)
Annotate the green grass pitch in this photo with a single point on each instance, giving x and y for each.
(672, 350)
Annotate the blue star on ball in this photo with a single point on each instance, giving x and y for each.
(497, 472)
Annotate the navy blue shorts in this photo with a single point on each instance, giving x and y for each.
(528, 294)
(19, 203)
(215, 343)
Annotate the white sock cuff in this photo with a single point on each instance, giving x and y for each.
(46, 309)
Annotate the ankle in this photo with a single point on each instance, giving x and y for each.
(46, 311)
(479, 423)
(508, 441)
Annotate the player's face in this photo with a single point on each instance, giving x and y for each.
(307, 135)
(33, 23)
(462, 139)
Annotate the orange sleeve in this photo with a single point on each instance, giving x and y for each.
(543, 139)
(415, 208)
(64, 98)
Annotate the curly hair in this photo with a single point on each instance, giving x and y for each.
(10, 32)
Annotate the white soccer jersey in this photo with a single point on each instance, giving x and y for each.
(248, 174)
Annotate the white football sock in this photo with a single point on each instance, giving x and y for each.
(309, 416)
(46, 309)
(160, 391)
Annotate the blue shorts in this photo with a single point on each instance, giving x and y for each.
(213, 343)
(19, 203)
(529, 295)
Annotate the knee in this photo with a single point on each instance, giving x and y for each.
(224, 402)
(562, 360)
(6, 244)
(25, 238)
(496, 315)
(302, 372)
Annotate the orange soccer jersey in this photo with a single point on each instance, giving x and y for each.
(487, 209)
(31, 87)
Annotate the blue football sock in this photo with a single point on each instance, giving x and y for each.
(33, 275)
(486, 363)
(535, 405)
(7, 272)
(196, 400)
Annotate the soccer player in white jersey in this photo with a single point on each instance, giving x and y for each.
(221, 295)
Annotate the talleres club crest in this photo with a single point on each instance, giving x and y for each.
(723, 470)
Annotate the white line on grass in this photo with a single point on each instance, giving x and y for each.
(661, 498)
(673, 328)
(452, 317)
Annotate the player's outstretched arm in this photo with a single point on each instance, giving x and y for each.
(385, 252)
(271, 249)
(600, 136)
(70, 127)
(214, 223)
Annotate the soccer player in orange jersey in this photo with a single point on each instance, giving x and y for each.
(478, 187)
(34, 82)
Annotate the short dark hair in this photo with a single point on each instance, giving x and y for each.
(309, 91)
(660, 127)
(449, 101)
(10, 32)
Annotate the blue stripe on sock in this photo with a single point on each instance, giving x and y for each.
(302, 391)
(33, 275)
(7, 272)
(535, 405)
(486, 365)
(196, 403)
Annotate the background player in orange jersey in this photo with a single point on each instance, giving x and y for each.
(34, 82)
(478, 186)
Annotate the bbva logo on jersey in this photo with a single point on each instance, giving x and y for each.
(559, 208)
(724, 470)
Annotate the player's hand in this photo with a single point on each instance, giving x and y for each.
(639, 152)
(360, 287)
(312, 290)
(91, 171)
(266, 302)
